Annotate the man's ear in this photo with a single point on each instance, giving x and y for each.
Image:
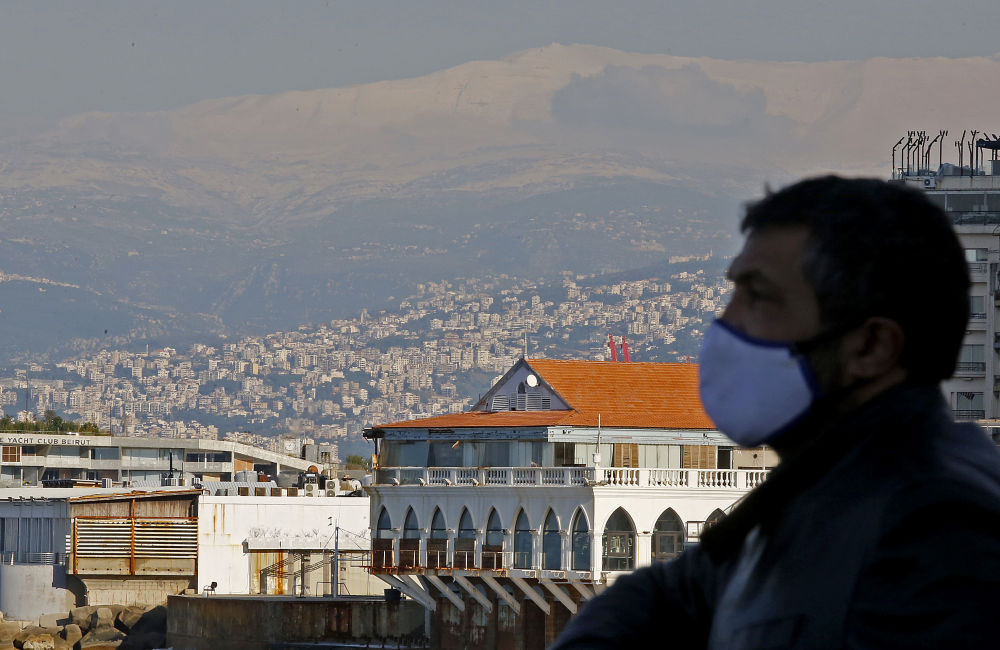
(873, 349)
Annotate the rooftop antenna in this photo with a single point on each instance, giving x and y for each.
(923, 152)
(942, 135)
(928, 151)
(625, 355)
(973, 163)
(525, 356)
(961, 149)
(597, 456)
(894, 147)
(911, 147)
(906, 154)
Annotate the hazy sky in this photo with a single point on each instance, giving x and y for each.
(59, 58)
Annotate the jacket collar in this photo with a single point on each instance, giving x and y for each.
(831, 440)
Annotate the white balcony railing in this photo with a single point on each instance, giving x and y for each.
(725, 479)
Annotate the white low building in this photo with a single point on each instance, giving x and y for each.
(285, 545)
(31, 459)
(65, 547)
(563, 476)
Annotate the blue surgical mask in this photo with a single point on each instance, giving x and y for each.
(754, 390)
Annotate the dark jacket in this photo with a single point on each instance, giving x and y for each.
(884, 531)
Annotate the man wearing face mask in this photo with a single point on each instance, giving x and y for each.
(881, 526)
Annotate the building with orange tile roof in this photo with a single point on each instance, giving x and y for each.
(564, 475)
(643, 395)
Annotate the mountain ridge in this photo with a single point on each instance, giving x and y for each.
(264, 211)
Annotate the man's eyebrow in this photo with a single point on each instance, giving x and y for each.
(747, 275)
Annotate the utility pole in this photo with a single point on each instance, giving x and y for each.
(336, 561)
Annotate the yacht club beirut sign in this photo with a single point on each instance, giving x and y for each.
(27, 439)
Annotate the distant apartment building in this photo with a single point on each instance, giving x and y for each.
(34, 458)
(970, 195)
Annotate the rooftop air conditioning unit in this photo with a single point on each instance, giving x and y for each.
(930, 183)
(311, 489)
(330, 492)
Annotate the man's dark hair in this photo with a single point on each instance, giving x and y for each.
(879, 249)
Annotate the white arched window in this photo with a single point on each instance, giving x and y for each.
(409, 546)
(465, 543)
(551, 543)
(668, 536)
(523, 544)
(493, 546)
(581, 542)
(382, 544)
(618, 542)
(437, 544)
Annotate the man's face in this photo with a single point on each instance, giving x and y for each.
(771, 298)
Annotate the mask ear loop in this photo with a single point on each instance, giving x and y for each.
(806, 346)
(825, 399)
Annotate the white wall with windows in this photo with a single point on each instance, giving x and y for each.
(558, 528)
(539, 453)
(973, 393)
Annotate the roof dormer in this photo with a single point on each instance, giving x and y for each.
(521, 389)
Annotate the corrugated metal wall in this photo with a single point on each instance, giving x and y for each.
(135, 546)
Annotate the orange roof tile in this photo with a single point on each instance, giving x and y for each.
(626, 395)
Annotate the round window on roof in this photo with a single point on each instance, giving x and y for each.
(531, 380)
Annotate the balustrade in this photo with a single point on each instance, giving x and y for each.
(627, 477)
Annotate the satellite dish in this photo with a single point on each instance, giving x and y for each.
(531, 380)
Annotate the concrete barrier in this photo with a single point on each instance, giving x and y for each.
(259, 622)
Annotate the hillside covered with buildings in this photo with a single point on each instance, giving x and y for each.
(331, 380)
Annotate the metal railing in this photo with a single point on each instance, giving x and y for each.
(382, 559)
(494, 560)
(437, 559)
(969, 414)
(465, 560)
(970, 366)
(629, 477)
(409, 558)
(974, 218)
(11, 557)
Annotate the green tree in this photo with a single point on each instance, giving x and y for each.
(355, 461)
(52, 421)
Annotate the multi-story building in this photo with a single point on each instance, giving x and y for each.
(31, 458)
(563, 476)
(970, 195)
